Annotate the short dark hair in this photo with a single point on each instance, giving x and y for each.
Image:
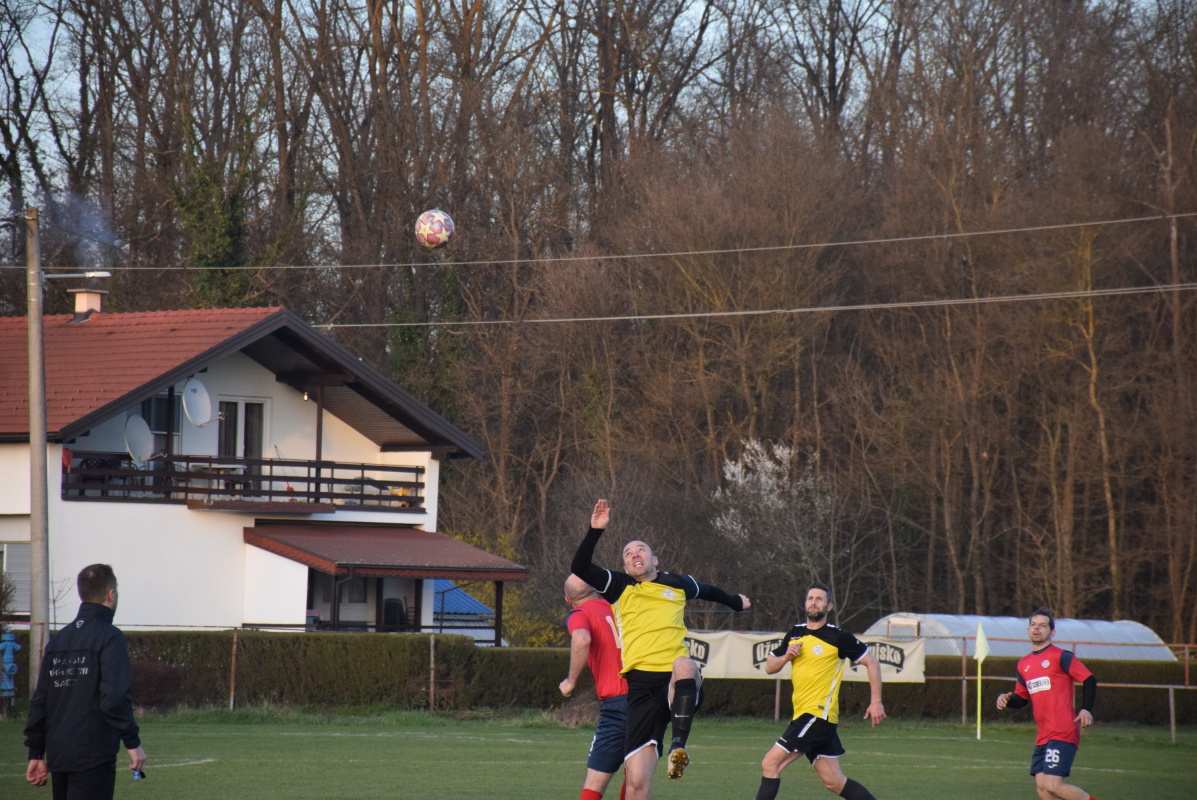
(824, 587)
(1044, 611)
(94, 582)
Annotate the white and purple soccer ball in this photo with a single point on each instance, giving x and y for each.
(434, 229)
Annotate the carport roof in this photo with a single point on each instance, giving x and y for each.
(382, 551)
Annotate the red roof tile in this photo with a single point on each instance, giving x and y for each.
(93, 363)
(376, 551)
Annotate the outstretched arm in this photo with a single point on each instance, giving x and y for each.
(583, 562)
(736, 602)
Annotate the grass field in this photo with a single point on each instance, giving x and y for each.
(293, 756)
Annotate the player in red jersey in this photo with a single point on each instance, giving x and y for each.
(594, 642)
(1045, 680)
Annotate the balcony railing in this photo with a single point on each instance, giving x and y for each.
(232, 482)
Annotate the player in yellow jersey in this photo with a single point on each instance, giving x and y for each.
(816, 651)
(663, 681)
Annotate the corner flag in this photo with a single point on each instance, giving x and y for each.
(980, 651)
(982, 648)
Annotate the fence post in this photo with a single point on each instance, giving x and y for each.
(1172, 711)
(431, 672)
(233, 673)
(964, 680)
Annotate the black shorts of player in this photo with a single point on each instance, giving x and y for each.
(812, 736)
(648, 710)
(1053, 758)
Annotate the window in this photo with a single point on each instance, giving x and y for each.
(354, 591)
(16, 562)
(242, 428)
(162, 416)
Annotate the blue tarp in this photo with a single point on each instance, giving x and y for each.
(451, 599)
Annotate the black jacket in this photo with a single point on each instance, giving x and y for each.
(81, 710)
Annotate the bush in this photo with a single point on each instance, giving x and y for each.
(353, 670)
(8, 597)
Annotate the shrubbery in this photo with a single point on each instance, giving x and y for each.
(345, 670)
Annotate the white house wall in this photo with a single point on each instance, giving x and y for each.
(192, 568)
(175, 567)
(276, 588)
(14, 489)
(290, 435)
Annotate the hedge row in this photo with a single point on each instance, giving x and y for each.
(361, 670)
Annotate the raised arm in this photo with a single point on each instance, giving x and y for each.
(583, 562)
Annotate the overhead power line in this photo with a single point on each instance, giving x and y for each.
(963, 301)
(671, 254)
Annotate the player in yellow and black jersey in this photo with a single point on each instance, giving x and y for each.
(816, 651)
(663, 681)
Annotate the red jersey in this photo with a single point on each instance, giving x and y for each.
(606, 651)
(1046, 677)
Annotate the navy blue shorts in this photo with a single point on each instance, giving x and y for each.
(606, 749)
(813, 737)
(1053, 758)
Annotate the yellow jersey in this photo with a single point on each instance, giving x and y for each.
(651, 614)
(817, 670)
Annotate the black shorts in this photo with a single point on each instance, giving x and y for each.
(812, 736)
(648, 710)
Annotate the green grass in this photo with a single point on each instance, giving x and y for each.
(293, 755)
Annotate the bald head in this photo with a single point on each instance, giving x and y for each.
(578, 591)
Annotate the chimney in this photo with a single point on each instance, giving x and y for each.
(89, 299)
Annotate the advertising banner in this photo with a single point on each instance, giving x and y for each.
(731, 654)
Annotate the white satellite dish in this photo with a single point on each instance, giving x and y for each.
(139, 441)
(197, 405)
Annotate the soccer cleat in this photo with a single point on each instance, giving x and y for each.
(677, 762)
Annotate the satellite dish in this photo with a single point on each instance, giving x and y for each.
(139, 441)
(197, 405)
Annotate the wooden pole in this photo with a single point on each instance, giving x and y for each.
(233, 673)
(432, 672)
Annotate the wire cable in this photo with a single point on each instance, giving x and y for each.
(671, 254)
(966, 301)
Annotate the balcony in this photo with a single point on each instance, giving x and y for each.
(232, 484)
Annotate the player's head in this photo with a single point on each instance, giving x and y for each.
(97, 584)
(1041, 626)
(639, 560)
(578, 591)
(819, 601)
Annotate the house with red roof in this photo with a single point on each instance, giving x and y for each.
(236, 467)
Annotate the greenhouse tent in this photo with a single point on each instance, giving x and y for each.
(948, 634)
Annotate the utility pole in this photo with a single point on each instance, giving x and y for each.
(39, 529)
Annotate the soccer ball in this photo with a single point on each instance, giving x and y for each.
(434, 229)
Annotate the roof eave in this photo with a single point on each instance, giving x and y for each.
(428, 424)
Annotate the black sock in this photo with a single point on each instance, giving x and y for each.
(768, 790)
(854, 791)
(685, 693)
